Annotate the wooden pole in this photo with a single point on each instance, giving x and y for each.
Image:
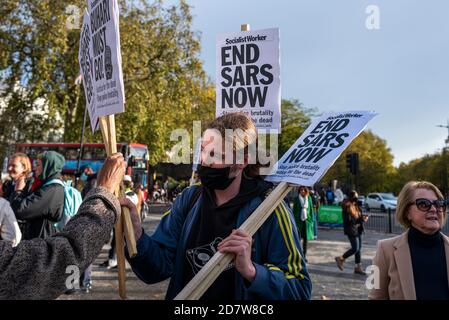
(218, 263)
(124, 224)
(191, 178)
(245, 27)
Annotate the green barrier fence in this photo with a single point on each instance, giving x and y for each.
(330, 216)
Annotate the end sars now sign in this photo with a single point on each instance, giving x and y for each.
(309, 158)
(248, 76)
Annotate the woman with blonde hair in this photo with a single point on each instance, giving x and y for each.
(205, 219)
(19, 169)
(415, 265)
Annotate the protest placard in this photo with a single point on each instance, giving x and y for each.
(87, 70)
(248, 76)
(332, 132)
(319, 147)
(100, 62)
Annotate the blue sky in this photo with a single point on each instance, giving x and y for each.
(331, 61)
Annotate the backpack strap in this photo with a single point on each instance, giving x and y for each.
(54, 181)
(194, 198)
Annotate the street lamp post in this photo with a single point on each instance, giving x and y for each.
(445, 159)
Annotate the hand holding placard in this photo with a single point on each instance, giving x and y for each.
(313, 153)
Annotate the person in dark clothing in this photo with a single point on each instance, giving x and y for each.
(303, 213)
(316, 206)
(89, 177)
(44, 206)
(90, 182)
(37, 268)
(330, 196)
(415, 265)
(19, 168)
(353, 221)
(206, 219)
(215, 223)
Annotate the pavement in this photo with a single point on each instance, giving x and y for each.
(328, 282)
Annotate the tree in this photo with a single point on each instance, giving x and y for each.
(165, 84)
(431, 167)
(295, 119)
(376, 170)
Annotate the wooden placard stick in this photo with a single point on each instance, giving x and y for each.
(107, 125)
(245, 27)
(218, 263)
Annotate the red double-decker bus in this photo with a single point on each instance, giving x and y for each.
(93, 154)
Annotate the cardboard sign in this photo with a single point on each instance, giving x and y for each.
(106, 57)
(309, 158)
(87, 70)
(248, 76)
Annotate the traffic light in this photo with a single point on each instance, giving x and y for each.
(348, 161)
(352, 163)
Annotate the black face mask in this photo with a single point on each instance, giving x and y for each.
(215, 178)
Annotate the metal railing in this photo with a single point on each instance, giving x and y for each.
(387, 222)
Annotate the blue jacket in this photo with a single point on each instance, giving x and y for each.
(277, 256)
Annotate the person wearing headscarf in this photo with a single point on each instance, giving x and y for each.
(44, 206)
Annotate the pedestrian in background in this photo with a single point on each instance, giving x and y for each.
(303, 213)
(37, 269)
(44, 206)
(129, 191)
(353, 221)
(415, 264)
(9, 228)
(89, 177)
(19, 168)
(330, 196)
(140, 200)
(316, 205)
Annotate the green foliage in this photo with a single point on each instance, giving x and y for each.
(432, 168)
(165, 85)
(295, 119)
(377, 172)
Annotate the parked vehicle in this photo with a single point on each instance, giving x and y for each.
(361, 201)
(380, 201)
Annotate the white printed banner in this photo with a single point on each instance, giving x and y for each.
(87, 70)
(309, 158)
(106, 56)
(248, 76)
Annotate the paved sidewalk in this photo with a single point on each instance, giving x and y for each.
(328, 281)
